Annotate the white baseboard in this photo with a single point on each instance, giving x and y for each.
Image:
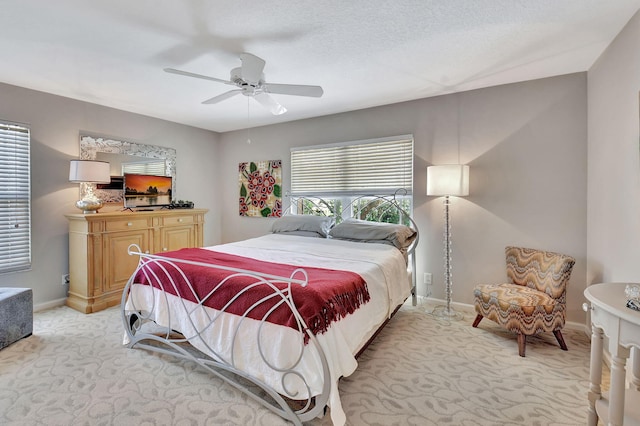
(50, 304)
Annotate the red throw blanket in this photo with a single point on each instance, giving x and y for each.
(328, 296)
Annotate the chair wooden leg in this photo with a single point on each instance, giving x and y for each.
(560, 340)
(477, 320)
(522, 343)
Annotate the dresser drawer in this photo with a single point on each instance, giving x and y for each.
(128, 224)
(178, 220)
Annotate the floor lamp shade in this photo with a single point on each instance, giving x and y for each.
(450, 179)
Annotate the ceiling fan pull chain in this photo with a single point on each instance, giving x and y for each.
(248, 125)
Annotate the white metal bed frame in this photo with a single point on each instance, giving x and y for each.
(291, 405)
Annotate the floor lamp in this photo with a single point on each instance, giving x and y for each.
(447, 180)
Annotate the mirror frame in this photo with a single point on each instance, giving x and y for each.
(90, 147)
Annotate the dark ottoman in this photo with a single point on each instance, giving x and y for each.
(16, 315)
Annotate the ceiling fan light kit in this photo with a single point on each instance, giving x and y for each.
(250, 81)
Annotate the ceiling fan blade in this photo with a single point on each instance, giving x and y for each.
(190, 74)
(271, 104)
(222, 97)
(294, 89)
(252, 67)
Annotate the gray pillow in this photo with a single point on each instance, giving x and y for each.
(400, 236)
(302, 222)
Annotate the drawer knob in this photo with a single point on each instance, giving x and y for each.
(129, 224)
(146, 251)
(164, 249)
(180, 220)
(586, 307)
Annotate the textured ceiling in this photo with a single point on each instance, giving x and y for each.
(363, 53)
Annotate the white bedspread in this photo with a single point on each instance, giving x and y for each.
(382, 267)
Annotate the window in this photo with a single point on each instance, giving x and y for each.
(15, 198)
(156, 168)
(341, 172)
(377, 166)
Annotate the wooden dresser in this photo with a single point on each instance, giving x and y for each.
(99, 265)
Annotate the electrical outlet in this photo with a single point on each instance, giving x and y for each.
(65, 279)
(427, 278)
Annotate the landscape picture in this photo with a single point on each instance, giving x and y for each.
(147, 190)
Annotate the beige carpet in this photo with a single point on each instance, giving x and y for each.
(419, 371)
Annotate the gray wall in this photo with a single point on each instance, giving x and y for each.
(613, 246)
(56, 124)
(526, 144)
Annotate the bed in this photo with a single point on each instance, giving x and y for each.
(283, 316)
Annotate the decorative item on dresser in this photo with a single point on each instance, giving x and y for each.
(99, 265)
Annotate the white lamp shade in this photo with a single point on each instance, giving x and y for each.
(450, 179)
(89, 171)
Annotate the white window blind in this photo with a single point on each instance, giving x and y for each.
(377, 166)
(15, 198)
(155, 168)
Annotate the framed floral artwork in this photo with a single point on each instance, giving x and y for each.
(260, 185)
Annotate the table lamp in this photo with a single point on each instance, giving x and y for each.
(88, 173)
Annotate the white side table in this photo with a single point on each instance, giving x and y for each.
(621, 325)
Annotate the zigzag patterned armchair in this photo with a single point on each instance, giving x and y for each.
(534, 299)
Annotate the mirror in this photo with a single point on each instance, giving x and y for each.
(118, 152)
(116, 161)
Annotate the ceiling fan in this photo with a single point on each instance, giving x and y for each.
(249, 79)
